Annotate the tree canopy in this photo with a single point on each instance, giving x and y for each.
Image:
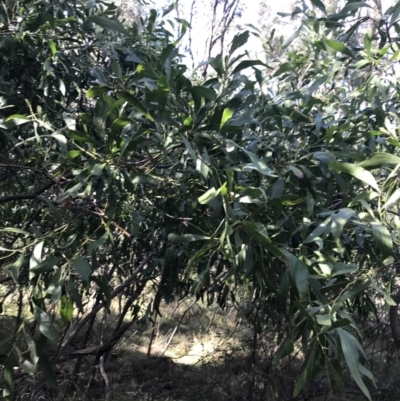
(121, 169)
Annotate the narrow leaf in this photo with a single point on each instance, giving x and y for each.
(208, 196)
(227, 114)
(246, 64)
(46, 368)
(83, 268)
(382, 238)
(380, 159)
(357, 172)
(109, 24)
(135, 103)
(394, 198)
(338, 47)
(185, 238)
(96, 91)
(319, 4)
(238, 41)
(350, 353)
(339, 220)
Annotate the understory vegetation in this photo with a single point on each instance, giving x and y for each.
(228, 232)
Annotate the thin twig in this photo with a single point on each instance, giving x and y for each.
(101, 305)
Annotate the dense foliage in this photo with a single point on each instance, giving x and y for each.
(275, 177)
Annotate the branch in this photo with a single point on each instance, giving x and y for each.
(35, 194)
(5, 279)
(100, 306)
(31, 195)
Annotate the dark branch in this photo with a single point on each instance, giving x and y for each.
(31, 195)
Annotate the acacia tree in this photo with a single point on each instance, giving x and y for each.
(118, 172)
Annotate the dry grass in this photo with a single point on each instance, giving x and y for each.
(190, 353)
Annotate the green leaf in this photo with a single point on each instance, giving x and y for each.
(389, 300)
(217, 64)
(62, 142)
(238, 41)
(315, 86)
(286, 348)
(71, 191)
(227, 114)
(83, 268)
(166, 52)
(289, 41)
(36, 256)
(297, 172)
(318, 231)
(254, 231)
(319, 4)
(139, 179)
(203, 92)
(337, 374)
(18, 117)
(350, 353)
(368, 43)
(78, 136)
(301, 278)
(15, 230)
(99, 242)
(16, 267)
(109, 24)
(119, 124)
(96, 91)
(306, 373)
(186, 238)
(257, 163)
(380, 159)
(188, 122)
(357, 172)
(74, 153)
(343, 268)
(98, 169)
(339, 220)
(45, 324)
(44, 266)
(8, 374)
(104, 288)
(395, 14)
(353, 5)
(46, 367)
(362, 63)
(285, 67)
(394, 198)
(208, 196)
(66, 309)
(53, 47)
(246, 64)
(366, 195)
(135, 103)
(163, 92)
(382, 238)
(338, 47)
(276, 190)
(323, 320)
(350, 294)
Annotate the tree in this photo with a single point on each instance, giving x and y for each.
(118, 172)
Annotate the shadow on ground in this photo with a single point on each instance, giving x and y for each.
(187, 355)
